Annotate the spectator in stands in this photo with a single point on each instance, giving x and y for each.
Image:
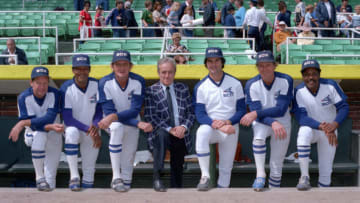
(183, 6)
(173, 18)
(355, 23)
(103, 3)
(230, 22)
(262, 25)
(284, 15)
(306, 32)
(344, 21)
(176, 47)
(344, 4)
(240, 13)
(85, 17)
(252, 20)
(166, 9)
(99, 21)
(147, 20)
(326, 14)
(78, 5)
(187, 21)
(281, 35)
(208, 17)
(214, 5)
(180, 59)
(224, 11)
(12, 49)
(158, 18)
(308, 17)
(299, 13)
(116, 17)
(130, 21)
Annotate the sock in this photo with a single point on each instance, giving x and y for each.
(204, 162)
(38, 158)
(71, 151)
(274, 181)
(304, 153)
(259, 149)
(115, 159)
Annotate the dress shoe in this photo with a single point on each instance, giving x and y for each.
(158, 186)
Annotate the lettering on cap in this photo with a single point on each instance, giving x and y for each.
(263, 55)
(309, 63)
(212, 51)
(41, 70)
(121, 54)
(81, 59)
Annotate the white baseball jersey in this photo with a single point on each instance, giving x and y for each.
(270, 102)
(219, 101)
(40, 111)
(125, 102)
(312, 109)
(82, 103)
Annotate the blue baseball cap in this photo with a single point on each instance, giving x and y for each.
(121, 55)
(310, 63)
(213, 52)
(39, 71)
(254, 1)
(80, 60)
(264, 56)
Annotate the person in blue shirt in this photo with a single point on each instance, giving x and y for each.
(344, 4)
(240, 13)
(117, 18)
(284, 15)
(230, 21)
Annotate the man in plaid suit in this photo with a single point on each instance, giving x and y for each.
(168, 108)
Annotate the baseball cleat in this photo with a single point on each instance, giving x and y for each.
(74, 184)
(118, 185)
(304, 183)
(259, 184)
(42, 185)
(204, 184)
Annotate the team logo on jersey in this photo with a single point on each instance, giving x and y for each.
(228, 92)
(93, 99)
(326, 101)
(130, 94)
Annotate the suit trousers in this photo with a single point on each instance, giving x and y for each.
(164, 140)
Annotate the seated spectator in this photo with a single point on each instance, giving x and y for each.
(159, 20)
(282, 34)
(344, 4)
(306, 32)
(344, 20)
(180, 59)
(230, 22)
(355, 23)
(173, 18)
(187, 21)
(12, 49)
(130, 21)
(147, 20)
(176, 47)
(99, 21)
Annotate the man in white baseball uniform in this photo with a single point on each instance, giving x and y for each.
(121, 97)
(38, 112)
(268, 96)
(81, 113)
(320, 107)
(219, 105)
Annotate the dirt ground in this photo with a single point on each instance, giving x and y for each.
(327, 195)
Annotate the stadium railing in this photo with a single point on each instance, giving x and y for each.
(10, 55)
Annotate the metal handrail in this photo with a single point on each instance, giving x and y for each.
(10, 55)
(308, 56)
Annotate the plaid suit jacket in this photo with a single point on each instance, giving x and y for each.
(157, 110)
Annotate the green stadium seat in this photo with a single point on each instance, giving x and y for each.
(352, 62)
(135, 41)
(89, 47)
(147, 59)
(12, 32)
(33, 58)
(26, 41)
(19, 17)
(132, 47)
(23, 46)
(335, 48)
(312, 48)
(27, 23)
(334, 62)
(73, 29)
(323, 41)
(61, 24)
(197, 59)
(104, 59)
(238, 47)
(2, 24)
(110, 46)
(39, 23)
(355, 48)
(341, 41)
(197, 45)
(230, 60)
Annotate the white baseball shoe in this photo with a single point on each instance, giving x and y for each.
(304, 183)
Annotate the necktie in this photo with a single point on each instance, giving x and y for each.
(170, 104)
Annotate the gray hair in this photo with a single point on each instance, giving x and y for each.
(11, 40)
(127, 4)
(166, 60)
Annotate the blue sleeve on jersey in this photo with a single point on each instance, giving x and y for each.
(282, 104)
(133, 111)
(49, 117)
(201, 114)
(342, 108)
(240, 111)
(98, 115)
(131, 122)
(304, 120)
(69, 120)
(23, 115)
(267, 120)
